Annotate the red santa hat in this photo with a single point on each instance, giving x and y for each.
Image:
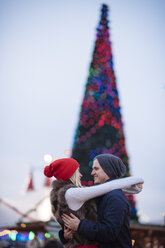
(61, 169)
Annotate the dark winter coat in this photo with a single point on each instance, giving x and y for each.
(112, 229)
(59, 206)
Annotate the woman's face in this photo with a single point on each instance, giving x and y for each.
(79, 175)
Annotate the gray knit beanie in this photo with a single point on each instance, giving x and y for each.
(112, 165)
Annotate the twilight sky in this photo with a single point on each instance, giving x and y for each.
(46, 49)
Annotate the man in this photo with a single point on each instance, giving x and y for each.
(112, 227)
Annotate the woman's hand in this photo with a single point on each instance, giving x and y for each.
(71, 222)
(139, 185)
(68, 233)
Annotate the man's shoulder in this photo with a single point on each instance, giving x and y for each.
(116, 197)
(116, 193)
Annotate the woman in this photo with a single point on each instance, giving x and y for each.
(66, 171)
(67, 196)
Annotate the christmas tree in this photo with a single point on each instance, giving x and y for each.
(100, 128)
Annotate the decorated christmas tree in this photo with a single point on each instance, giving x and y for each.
(100, 128)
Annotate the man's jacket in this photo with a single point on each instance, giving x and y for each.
(112, 227)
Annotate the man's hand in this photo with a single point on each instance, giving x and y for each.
(72, 222)
(68, 233)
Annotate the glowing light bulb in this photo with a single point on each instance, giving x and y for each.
(31, 235)
(47, 235)
(48, 158)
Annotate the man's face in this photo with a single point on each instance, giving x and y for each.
(98, 173)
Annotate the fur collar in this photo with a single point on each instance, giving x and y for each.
(59, 206)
